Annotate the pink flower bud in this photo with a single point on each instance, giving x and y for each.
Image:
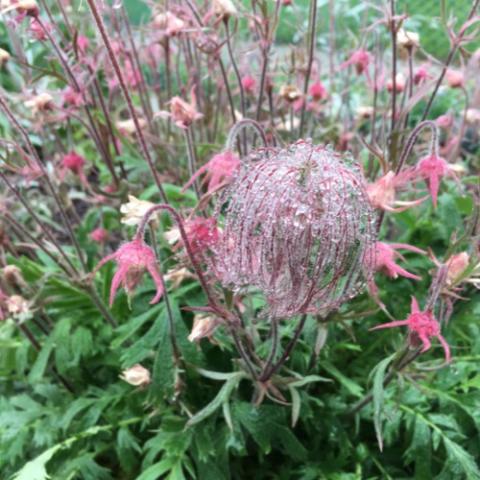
(248, 84)
(456, 265)
(318, 91)
(183, 113)
(400, 83)
(99, 235)
(455, 78)
(421, 75)
(360, 59)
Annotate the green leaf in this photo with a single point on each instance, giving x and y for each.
(222, 396)
(38, 369)
(354, 388)
(378, 391)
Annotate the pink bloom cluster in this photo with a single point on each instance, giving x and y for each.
(297, 225)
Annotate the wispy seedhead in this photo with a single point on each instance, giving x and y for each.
(298, 226)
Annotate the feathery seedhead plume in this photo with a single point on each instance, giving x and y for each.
(298, 226)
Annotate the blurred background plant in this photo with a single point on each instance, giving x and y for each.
(108, 109)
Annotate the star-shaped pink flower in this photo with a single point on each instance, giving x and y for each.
(133, 259)
(422, 326)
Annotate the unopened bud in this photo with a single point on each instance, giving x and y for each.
(137, 376)
(203, 326)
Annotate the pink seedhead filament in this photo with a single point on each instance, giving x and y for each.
(298, 226)
(133, 259)
(422, 326)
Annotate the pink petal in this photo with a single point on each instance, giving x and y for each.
(414, 306)
(158, 279)
(433, 187)
(446, 348)
(426, 342)
(404, 273)
(396, 323)
(406, 246)
(118, 278)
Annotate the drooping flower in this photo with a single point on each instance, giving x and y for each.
(138, 376)
(134, 210)
(456, 265)
(127, 127)
(360, 59)
(4, 57)
(218, 171)
(203, 326)
(382, 193)
(183, 113)
(433, 168)
(290, 93)
(72, 98)
(133, 260)
(82, 43)
(407, 40)
(422, 326)
(169, 24)
(75, 163)
(318, 91)
(40, 103)
(296, 225)
(385, 255)
(421, 75)
(248, 84)
(400, 83)
(455, 78)
(37, 31)
(202, 233)
(444, 121)
(99, 235)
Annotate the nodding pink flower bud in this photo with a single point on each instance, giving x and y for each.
(385, 255)
(444, 121)
(318, 91)
(421, 75)
(183, 113)
(432, 168)
(82, 44)
(360, 59)
(422, 326)
(133, 260)
(287, 3)
(99, 235)
(202, 233)
(400, 83)
(75, 163)
(37, 31)
(455, 78)
(72, 97)
(218, 171)
(383, 191)
(133, 76)
(248, 84)
(297, 225)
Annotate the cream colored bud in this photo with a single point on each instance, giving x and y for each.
(127, 127)
(365, 112)
(40, 103)
(17, 305)
(172, 236)
(224, 8)
(137, 376)
(456, 265)
(472, 116)
(177, 276)
(290, 93)
(203, 326)
(13, 276)
(407, 39)
(134, 210)
(4, 57)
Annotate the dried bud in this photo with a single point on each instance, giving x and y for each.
(224, 8)
(169, 23)
(456, 265)
(184, 113)
(13, 276)
(17, 305)
(127, 127)
(290, 93)
(408, 40)
(134, 210)
(4, 57)
(203, 326)
(137, 376)
(365, 112)
(298, 226)
(40, 103)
